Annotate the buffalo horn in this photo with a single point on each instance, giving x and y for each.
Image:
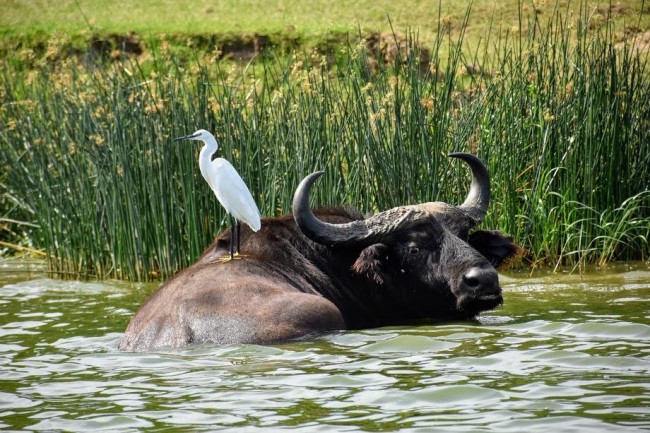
(478, 198)
(365, 231)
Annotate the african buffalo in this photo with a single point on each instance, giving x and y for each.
(332, 269)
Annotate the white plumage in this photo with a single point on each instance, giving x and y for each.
(227, 185)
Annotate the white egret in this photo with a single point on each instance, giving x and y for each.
(228, 186)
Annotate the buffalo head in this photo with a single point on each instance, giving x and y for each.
(421, 260)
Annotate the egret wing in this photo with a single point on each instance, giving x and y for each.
(233, 193)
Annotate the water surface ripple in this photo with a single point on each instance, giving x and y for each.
(565, 353)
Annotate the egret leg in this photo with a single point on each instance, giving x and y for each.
(232, 239)
(233, 254)
(238, 236)
(237, 254)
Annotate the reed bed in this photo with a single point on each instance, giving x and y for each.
(559, 114)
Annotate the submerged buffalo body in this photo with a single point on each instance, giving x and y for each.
(332, 269)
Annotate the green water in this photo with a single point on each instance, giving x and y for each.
(565, 354)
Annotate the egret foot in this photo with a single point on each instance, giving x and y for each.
(226, 259)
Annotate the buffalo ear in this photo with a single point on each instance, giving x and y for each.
(370, 263)
(495, 246)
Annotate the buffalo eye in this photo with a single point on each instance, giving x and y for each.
(414, 250)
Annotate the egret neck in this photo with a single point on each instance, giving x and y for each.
(205, 157)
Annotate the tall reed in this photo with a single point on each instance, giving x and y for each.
(559, 114)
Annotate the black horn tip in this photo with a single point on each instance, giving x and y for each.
(305, 185)
(478, 167)
(315, 175)
(301, 196)
(468, 157)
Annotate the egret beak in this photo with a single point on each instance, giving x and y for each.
(187, 137)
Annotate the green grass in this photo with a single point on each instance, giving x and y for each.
(310, 21)
(559, 114)
(313, 18)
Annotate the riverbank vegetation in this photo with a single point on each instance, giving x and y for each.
(85, 23)
(557, 109)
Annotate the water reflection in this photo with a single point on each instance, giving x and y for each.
(565, 353)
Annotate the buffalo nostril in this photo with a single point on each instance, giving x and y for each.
(481, 281)
(470, 280)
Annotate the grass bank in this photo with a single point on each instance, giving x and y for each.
(240, 29)
(560, 115)
(310, 20)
